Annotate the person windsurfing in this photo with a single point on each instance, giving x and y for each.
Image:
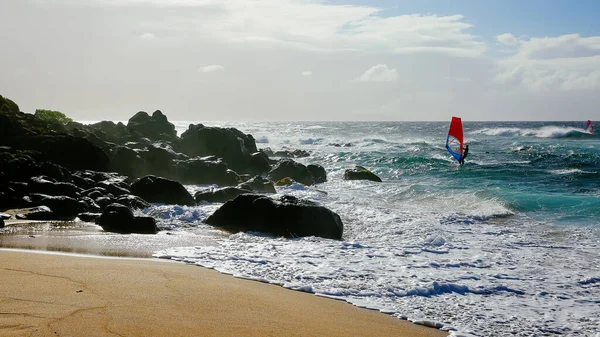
(464, 155)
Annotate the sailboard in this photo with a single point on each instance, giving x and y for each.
(454, 142)
(589, 127)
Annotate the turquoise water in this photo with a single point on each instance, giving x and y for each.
(507, 244)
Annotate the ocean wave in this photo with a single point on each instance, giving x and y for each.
(541, 132)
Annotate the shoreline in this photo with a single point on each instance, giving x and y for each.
(57, 293)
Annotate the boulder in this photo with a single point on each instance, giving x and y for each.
(230, 144)
(127, 162)
(288, 216)
(47, 185)
(37, 213)
(360, 173)
(118, 218)
(155, 127)
(133, 201)
(258, 184)
(63, 207)
(88, 216)
(160, 190)
(318, 172)
(206, 170)
(219, 195)
(291, 169)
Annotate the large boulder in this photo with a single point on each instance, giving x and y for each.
(230, 144)
(119, 219)
(206, 170)
(220, 195)
(290, 169)
(318, 172)
(258, 184)
(155, 127)
(127, 162)
(160, 190)
(47, 185)
(288, 216)
(63, 207)
(360, 173)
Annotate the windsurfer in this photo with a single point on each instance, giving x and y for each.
(465, 153)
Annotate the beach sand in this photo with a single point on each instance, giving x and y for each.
(55, 294)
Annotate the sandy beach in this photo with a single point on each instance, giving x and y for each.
(54, 294)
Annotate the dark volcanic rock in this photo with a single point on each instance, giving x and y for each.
(155, 127)
(360, 173)
(230, 144)
(258, 184)
(219, 195)
(133, 201)
(206, 170)
(160, 190)
(37, 213)
(119, 219)
(47, 185)
(318, 172)
(288, 216)
(88, 216)
(63, 207)
(292, 169)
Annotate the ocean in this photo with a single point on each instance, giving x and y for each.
(506, 245)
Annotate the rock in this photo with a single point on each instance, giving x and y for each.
(230, 144)
(219, 195)
(118, 218)
(288, 216)
(88, 216)
(206, 170)
(1, 223)
(318, 172)
(37, 213)
(63, 207)
(133, 201)
(90, 205)
(291, 169)
(360, 173)
(155, 127)
(258, 184)
(127, 162)
(103, 202)
(114, 187)
(74, 153)
(47, 185)
(160, 190)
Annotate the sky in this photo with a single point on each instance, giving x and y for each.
(393, 60)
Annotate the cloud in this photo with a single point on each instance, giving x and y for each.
(309, 25)
(213, 68)
(379, 73)
(147, 37)
(567, 62)
(507, 39)
(306, 73)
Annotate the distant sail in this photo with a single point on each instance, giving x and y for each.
(589, 127)
(454, 142)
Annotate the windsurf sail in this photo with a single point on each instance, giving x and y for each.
(454, 142)
(589, 127)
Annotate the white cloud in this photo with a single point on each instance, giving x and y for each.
(567, 62)
(311, 25)
(379, 73)
(507, 39)
(213, 68)
(147, 37)
(306, 73)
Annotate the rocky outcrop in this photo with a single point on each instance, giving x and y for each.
(206, 170)
(233, 146)
(291, 169)
(155, 127)
(287, 216)
(258, 184)
(360, 173)
(119, 219)
(160, 190)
